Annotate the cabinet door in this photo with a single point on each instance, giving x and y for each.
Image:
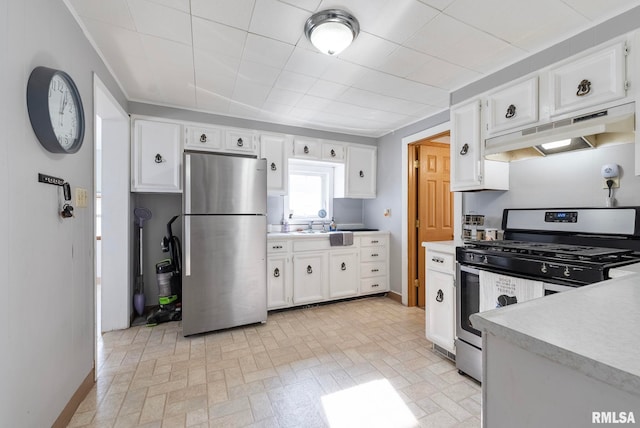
(278, 293)
(440, 304)
(343, 274)
(197, 138)
(361, 171)
(241, 141)
(272, 148)
(306, 148)
(157, 157)
(588, 81)
(513, 107)
(309, 277)
(332, 151)
(466, 152)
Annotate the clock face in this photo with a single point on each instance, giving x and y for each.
(63, 112)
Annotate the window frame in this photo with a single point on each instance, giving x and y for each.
(322, 169)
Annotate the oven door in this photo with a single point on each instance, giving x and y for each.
(467, 304)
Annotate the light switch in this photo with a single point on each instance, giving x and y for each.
(81, 197)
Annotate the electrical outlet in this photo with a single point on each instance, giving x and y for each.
(81, 197)
(616, 183)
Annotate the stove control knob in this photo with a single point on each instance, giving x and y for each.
(566, 271)
(485, 260)
(544, 269)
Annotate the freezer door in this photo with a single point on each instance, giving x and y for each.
(218, 184)
(224, 272)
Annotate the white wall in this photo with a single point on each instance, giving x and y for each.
(46, 264)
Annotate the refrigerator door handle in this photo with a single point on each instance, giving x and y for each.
(187, 245)
(187, 184)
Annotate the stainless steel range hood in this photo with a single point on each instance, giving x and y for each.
(612, 125)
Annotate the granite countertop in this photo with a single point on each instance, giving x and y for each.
(594, 329)
(443, 246)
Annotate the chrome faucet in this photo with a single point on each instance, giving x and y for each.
(310, 225)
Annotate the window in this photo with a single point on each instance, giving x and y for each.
(310, 190)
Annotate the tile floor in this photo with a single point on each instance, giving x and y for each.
(361, 363)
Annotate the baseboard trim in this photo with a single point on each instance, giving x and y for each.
(395, 296)
(73, 404)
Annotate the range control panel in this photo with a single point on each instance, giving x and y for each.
(561, 216)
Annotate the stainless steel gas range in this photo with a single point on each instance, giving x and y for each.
(545, 251)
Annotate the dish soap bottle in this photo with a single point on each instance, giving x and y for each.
(332, 225)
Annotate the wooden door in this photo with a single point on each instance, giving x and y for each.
(430, 208)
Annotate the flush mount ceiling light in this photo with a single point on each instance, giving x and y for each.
(331, 31)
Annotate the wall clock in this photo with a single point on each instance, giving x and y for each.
(55, 110)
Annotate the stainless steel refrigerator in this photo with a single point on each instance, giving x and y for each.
(224, 280)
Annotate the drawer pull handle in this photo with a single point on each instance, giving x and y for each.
(464, 150)
(273, 166)
(511, 111)
(343, 266)
(437, 260)
(333, 153)
(309, 269)
(240, 143)
(374, 242)
(203, 138)
(374, 255)
(277, 247)
(159, 158)
(375, 285)
(584, 87)
(276, 272)
(306, 150)
(361, 174)
(439, 296)
(375, 270)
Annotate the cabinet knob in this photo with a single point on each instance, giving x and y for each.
(511, 111)
(306, 150)
(439, 296)
(343, 266)
(240, 143)
(464, 150)
(273, 166)
(276, 272)
(159, 158)
(309, 269)
(333, 153)
(584, 87)
(361, 174)
(203, 138)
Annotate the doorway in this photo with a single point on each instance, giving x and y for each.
(430, 211)
(112, 205)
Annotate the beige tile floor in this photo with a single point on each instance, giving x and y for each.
(361, 363)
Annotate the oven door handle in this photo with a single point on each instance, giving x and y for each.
(469, 269)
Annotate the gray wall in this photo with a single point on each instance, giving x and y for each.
(47, 276)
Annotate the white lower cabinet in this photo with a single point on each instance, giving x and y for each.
(440, 299)
(309, 277)
(343, 273)
(278, 282)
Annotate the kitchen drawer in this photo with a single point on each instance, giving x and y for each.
(373, 254)
(373, 269)
(373, 241)
(277, 246)
(310, 244)
(241, 141)
(442, 262)
(374, 285)
(198, 138)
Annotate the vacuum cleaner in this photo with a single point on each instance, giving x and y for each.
(169, 277)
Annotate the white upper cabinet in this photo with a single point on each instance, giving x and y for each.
(201, 138)
(273, 148)
(333, 151)
(513, 106)
(157, 157)
(360, 172)
(588, 80)
(307, 148)
(469, 169)
(241, 141)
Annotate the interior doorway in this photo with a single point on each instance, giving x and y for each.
(430, 213)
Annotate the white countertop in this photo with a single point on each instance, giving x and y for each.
(594, 329)
(443, 246)
(304, 235)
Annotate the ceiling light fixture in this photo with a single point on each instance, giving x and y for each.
(331, 31)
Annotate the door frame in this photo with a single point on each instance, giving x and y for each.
(457, 201)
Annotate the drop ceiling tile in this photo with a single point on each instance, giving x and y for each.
(438, 4)
(253, 72)
(442, 74)
(250, 94)
(181, 5)
(399, 20)
(326, 89)
(274, 112)
(278, 21)
(344, 72)
(217, 38)
(266, 51)
(383, 103)
(211, 101)
(310, 63)
(295, 81)
(115, 12)
(404, 89)
(308, 5)
(598, 10)
(216, 73)
(284, 97)
(309, 102)
(368, 50)
(161, 21)
(235, 13)
(403, 61)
